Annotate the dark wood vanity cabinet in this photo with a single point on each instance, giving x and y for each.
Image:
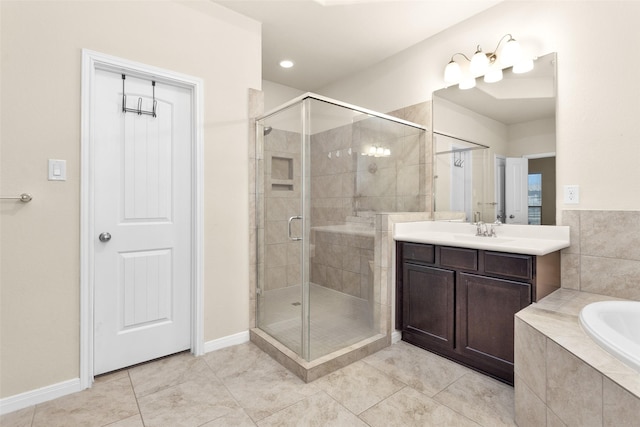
(460, 303)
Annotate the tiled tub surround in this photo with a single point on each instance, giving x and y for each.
(604, 256)
(562, 377)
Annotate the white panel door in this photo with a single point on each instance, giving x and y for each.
(142, 182)
(499, 174)
(461, 182)
(516, 190)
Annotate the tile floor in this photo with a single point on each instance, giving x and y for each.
(241, 386)
(280, 314)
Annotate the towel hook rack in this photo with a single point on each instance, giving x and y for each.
(24, 197)
(139, 111)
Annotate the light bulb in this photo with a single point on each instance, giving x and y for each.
(479, 63)
(387, 152)
(467, 83)
(511, 53)
(493, 75)
(379, 151)
(452, 72)
(372, 150)
(523, 66)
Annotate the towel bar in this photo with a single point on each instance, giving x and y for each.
(24, 197)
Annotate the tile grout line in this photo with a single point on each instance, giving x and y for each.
(453, 409)
(228, 391)
(471, 372)
(135, 396)
(378, 403)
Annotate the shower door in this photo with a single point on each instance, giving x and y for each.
(282, 243)
(324, 171)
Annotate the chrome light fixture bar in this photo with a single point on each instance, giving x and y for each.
(489, 64)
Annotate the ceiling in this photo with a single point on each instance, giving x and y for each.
(331, 39)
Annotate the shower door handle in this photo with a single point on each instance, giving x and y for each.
(289, 228)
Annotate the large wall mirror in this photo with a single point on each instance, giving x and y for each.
(494, 148)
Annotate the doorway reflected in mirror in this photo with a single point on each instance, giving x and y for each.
(510, 119)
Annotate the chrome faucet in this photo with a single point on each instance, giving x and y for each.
(492, 233)
(486, 230)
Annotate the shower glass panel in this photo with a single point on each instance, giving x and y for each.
(324, 171)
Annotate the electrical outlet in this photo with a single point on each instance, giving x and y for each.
(571, 194)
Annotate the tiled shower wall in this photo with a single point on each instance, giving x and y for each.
(604, 256)
(415, 158)
(344, 261)
(282, 200)
(345, 182)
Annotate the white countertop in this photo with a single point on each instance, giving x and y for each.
(520, 239)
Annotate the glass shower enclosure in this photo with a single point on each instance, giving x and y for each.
(325, 169)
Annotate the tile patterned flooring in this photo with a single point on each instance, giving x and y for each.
(401, 385)
(329, 312)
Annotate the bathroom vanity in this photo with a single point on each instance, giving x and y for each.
(457, 293)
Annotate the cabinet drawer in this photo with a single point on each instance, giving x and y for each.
(418, 252)
(458, 258)
(509, 265)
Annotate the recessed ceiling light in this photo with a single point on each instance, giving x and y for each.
(286, 63)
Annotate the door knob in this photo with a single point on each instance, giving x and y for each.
(104, 237)
(512, 216)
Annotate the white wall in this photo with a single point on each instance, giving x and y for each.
(455, 120)
(598, 102)
(41, 69)
(533, 137)
(276, 94)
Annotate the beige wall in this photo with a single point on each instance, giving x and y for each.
(597, 132)
(41, 76)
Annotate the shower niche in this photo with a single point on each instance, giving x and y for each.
(326, 174)
(281, 173)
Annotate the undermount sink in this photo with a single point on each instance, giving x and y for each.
(513, 238)
(470, 238)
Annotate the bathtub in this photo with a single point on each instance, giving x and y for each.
(615, 326)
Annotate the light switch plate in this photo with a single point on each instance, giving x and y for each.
(57, 170)
(571, 194)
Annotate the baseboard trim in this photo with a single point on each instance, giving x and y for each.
(44, 394)
(228, 341)
(33, 397)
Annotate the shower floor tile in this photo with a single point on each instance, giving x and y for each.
(337, 320)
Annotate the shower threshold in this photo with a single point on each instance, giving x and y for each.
(310, 371)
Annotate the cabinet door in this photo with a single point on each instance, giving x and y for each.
(485, 313)
(428, 306)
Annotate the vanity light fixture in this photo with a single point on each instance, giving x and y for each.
(489, 64)
(377, 151)
(453, 72)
